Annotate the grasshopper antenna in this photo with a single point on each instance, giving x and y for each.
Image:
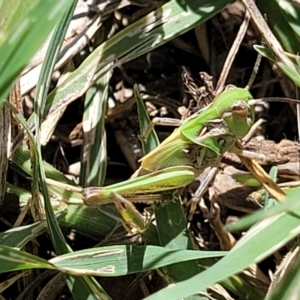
(273, 99)
(256, 65)
(254, 71)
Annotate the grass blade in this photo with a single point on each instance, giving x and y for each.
(152, 140)
(93, 161)
(104, 261)
(25, 27)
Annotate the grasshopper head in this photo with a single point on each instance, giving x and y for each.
(239, 118)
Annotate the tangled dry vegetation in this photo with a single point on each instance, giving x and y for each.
(173, 79)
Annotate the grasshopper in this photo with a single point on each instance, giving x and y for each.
(198, 143)
(210, 132)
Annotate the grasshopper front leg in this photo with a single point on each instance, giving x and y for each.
(160, 121)
(201, 190)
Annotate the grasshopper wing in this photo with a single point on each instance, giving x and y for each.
(172, 153)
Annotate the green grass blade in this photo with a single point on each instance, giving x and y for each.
(18, 237)
(50, 59)
(94, 158)
(291, 13)
(290, 204)
(278, 24)
(103, 261)
(43, 84)
(25, 27)
(23, 195)
(122, 260)
(152, 140)
(293, 75)
(21, 163)
(91, 221)
(268, 201)
(13, 260)
(265, 51)
(169, 239)
(259, 242)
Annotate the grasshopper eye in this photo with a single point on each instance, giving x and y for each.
(240, 109)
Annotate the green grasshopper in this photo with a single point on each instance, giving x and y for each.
(211, 131)
(199, 142)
